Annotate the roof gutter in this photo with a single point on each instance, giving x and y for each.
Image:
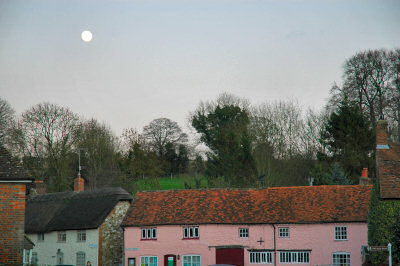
(15, 181)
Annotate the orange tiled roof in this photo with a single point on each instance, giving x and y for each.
(316, 204)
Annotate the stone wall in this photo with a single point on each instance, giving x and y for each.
(12, 219)
(112, 235)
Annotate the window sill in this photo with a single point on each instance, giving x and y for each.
(151, 239)
(192, 238)
(341, 239)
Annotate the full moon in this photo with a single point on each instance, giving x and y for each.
(86, 36)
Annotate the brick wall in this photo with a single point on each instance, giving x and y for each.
(12, 218)
(381, 133)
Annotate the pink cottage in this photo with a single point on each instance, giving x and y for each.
(315, 225)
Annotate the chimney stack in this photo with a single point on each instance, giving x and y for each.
(40, 187)
(364, 180)
(79, 184)
(382, 135)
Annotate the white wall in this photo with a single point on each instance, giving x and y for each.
(47, 249)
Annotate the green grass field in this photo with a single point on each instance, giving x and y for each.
(167, 183)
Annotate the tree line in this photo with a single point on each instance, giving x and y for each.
(270, 144)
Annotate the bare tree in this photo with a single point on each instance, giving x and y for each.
(7, 120)
(367, 81)
(162, 131)
(46, 140)
(394, 94)
(310, 131)
(99, 156)
(278, 125)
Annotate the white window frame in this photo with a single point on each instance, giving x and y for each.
(283, 232)
(34, 258)
(191, 256)
(81, 236)
(26, 257)
(149, 233)
(341, 233)
(347, 257)
(61, 237)
(40, 237)
(148, 263)
(294, 257)
(244, 232)
(191, 232)
(260, 257)
(82, 258)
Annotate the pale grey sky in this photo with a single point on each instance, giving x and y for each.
(159, 58)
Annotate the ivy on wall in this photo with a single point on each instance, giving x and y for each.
(383, 227)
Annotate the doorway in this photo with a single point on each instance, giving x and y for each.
(170, 260)
(60, 257)
(131, 261)
(233, 256)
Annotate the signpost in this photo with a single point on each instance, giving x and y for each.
(382, 248)
(377, 248)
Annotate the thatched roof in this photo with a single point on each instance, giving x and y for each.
(71, 210)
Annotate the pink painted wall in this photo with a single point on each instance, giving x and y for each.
(317, 237)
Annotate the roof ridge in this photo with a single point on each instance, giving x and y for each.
(246, 189)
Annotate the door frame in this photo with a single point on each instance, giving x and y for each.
(166, 259)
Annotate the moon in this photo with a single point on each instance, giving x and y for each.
(86, 36)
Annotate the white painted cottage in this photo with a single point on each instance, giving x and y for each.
(72, 228)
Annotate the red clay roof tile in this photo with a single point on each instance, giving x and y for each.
(316, 204)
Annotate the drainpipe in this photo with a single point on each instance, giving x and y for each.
(274, 244)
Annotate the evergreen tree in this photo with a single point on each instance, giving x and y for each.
(396, 239)
(224, 129)
(348, 139)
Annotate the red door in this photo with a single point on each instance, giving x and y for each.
(233, 256)
(169, 260)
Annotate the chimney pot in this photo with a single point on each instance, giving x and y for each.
(40, 187)
(364, 177)
(364, 173)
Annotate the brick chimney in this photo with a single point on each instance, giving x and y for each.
(382, 135)
(364, 180)
(79, 184)
(40, 187)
